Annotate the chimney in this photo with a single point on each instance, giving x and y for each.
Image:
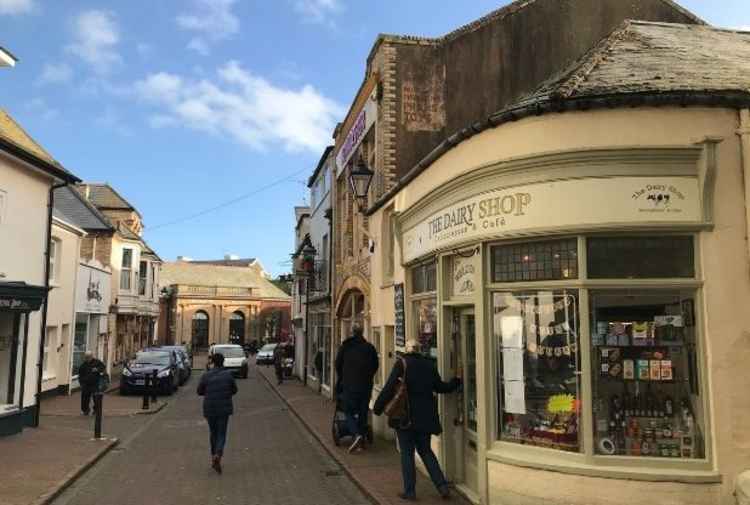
(231, 257)
(184, 259)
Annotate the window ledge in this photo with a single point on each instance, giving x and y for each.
(48, 377)
(544, 459)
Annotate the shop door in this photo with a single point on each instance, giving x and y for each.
(465, 407)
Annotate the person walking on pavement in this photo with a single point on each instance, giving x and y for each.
(88, 377)
(278, 363)
(422, 420)
(217, 387)
(356, 364)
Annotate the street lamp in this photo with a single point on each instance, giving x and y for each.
(360, 178)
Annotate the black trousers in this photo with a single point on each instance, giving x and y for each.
(86, 393)
(279, 374)
(217, 426)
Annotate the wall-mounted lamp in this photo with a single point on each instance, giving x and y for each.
(360, 178)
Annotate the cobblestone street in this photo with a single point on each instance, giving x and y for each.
(270, 459)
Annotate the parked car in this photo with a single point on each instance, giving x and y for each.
(144, 363)
(235, 358)
(184, 361)
(265, 355)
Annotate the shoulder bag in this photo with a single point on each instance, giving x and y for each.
(398, 406)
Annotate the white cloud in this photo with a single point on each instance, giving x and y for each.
(245, 107)
(96, 38)
(112, 120)
(211, 20)
(317, 11)
(38, 107)
(16, 6)
(55, 73)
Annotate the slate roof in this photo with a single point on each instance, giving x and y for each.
(105, 196)
(15, 138)
(127, 233)
(190, 273)
(649, 57)
(72, 207)
(241, 262)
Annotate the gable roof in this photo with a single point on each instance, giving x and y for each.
(641, 63)
(15, 140)
(105, 197)
(321, 163)
(74, 208)
(190, 273)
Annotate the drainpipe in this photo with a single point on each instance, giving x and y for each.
(43, 335)
(744, 133)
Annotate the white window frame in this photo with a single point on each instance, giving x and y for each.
(55, 251)
(142, 277)
(129, 270)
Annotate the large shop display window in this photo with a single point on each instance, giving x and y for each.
(11, 345)
(539, 389)
(643, 343)
(424, 296)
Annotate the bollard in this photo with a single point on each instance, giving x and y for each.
(145, 393)
(154, 386)
(98, 399)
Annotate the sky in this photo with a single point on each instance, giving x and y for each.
(186, 105)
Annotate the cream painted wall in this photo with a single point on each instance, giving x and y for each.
(723, 259)
(61, 310)
(23, 235)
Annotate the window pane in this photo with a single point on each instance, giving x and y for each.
(536, 337)
(535, 261)
(127, 258)
(424, 278)
(646, 380)
(125, 280)
(426, 311)
(640, 257)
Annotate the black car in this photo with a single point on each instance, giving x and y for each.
(183, 360)
(144, 363)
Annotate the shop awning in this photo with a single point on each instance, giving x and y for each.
(21, 297)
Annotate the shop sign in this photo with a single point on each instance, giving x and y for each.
(464, 276)
(18, 304)
(399, 335)
(94, 289)
(360, 127)
(566, 204)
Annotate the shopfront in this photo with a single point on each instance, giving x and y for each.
(581, 295)
(17, 302)
(91, 332)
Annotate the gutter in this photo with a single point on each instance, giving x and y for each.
(43, 333)
(547, 104)
(744, 133)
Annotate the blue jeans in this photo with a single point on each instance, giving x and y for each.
(218, 427)
(409, 441)
(357, 406)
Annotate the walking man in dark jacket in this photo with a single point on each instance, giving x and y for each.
(356, 364)
(88, 377)
(217, 387)
(415, 432)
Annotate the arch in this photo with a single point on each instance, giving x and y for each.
(237, 327)
(199, 336)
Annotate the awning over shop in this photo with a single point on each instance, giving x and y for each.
(21, 297)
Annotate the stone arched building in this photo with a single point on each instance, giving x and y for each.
(219, 302)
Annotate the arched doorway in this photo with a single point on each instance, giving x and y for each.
(351, 310)
(237, 328)
(200, 330)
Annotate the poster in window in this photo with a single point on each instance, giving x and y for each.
(398, 332)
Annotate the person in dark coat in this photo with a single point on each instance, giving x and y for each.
(278, 363)
(356, 364)
(217, 387)
(89, 373)
(414, 432)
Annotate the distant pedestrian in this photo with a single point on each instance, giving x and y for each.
(278, 363)
(356, 364)
(217, 387)
(89, 374)
(421, 420)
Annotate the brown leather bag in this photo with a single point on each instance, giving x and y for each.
(398, 406)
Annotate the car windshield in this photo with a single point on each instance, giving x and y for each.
(152, 358)
(230, 352)
(268, 348)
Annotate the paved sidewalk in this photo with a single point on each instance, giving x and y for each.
(376, 471)
(40, 462)
(114, 405)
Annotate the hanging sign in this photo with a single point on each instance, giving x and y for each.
(399, 334)
(360, 127)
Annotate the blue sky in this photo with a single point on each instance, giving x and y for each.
(184, 104)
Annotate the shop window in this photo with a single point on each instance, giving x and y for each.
(426, 331)
(80, 340)
(424, 278)
(536, 337)
(640, 257)
(126, 270)
(535, 261)
(645, 384)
